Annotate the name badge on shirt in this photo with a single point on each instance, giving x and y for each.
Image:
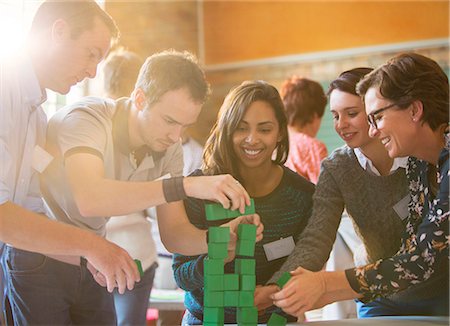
(279, 248)
(401, 208)
(41, 159)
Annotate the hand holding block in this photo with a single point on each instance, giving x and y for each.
(216, 212)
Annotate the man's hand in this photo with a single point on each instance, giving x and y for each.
(111, 265)
(305, 290)
(221, 188)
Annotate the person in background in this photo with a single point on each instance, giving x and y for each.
(120, 71)
(304, 103)
(66, 42)
(407, 101)
(108, 154)
(250, 128)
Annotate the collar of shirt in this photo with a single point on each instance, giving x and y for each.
(121, 135)
(34, 95)
(366, 163)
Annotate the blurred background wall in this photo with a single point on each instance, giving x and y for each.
(272, 40)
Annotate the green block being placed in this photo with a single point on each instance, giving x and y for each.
(213, 282)
(246, 298)
(247, 232)
(245, 248)
(284, 278)
(218, 250)
(213, 315)
(213, 266)
(139, 267)
(244, 266)
(218, 234)
(217, 212)
(231, 298)
(276, 320)
(231, 282)
(247, 282)
(213, 299)
(247, 315)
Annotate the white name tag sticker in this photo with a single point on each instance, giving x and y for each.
(279, 248)
(41, 159)
(401, 208)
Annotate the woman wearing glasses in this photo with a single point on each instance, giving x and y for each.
(407, 101)
(359, 177)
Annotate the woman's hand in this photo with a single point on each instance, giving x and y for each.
(303, 292)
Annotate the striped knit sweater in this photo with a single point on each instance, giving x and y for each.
(284, 213)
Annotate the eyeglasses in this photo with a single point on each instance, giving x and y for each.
(374, 117)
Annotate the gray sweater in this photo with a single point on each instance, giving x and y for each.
(369, 201)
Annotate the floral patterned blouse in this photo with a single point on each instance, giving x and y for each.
(425, 243)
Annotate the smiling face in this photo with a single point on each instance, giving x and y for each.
(162, 124)
(395, 126)
(256, 136)
(73, 59)
(350, 120)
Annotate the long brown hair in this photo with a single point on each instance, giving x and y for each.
(219, 156)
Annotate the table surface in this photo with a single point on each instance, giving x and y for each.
(384, 321)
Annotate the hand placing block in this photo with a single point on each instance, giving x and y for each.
(216, 212)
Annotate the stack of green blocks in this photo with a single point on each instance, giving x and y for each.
(229, 290)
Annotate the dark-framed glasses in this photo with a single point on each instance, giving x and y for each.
(375, 117)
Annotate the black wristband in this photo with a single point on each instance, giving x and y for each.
(173, 189)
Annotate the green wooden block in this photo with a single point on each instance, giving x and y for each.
(213, 315)
(212, 324)
(247, 282)
(218, 250)
(247, 232)
(231, 298)
(245, 248)
(247, 315)
(139, 267)
(250, 209)
(283, 279)
(213, 299)
(246, 298)
(216, 211)
(245, 266)
(218, 234)
(231, 282)
(213, 282)
(276, 320)
(213, 266)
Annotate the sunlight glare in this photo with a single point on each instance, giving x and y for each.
(12, 31)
